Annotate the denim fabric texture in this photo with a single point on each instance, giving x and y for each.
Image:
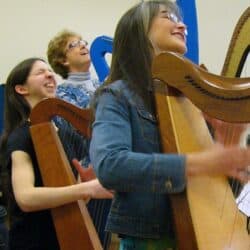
(125, 152)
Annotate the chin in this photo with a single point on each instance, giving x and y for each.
(181, 47)
(181, 50)
(51, 96)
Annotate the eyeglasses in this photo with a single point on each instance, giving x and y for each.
(175, 19)
(77, 43)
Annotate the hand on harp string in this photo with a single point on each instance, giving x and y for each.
(231, 161)
(96, 190)
(85, 174)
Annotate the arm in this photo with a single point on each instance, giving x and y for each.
(218, 160)
(31, 198)
(121, 167)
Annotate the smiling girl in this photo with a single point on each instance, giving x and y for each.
(31, 225)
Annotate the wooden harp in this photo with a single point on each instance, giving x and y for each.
(73, 224)
(205, 215)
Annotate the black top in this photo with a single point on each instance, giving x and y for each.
(33, 230)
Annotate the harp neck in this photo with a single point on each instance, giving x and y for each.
(207, 91)
(45, 110)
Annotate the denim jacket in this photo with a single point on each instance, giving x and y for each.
(125, 152)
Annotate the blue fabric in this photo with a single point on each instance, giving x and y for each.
(125, 152)
(77, 89)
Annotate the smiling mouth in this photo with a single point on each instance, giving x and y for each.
(84, 52)
(50, 85)
(181, 36)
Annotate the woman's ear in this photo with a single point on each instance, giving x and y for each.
(65, 63)
(21, 89)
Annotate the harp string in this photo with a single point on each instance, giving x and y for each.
(76, 146)
(236, 63)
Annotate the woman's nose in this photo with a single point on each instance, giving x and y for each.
(49, 73)
(183, 27)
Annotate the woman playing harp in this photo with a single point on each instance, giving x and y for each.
(31, 226)
(125, 147)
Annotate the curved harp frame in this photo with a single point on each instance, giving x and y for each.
(208, 202)
(73, 224)
(239, 47)
(207, 91)
(205, 215)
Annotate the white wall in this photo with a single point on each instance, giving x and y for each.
(217, 20)
(26, 26)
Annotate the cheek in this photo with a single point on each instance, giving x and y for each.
(161, 41)
(164, 41)
(160, 36)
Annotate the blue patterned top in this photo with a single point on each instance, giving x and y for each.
(78, 88)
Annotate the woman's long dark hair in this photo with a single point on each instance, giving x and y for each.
(16, 108)
(132, 50)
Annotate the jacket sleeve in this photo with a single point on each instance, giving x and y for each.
(117, 166)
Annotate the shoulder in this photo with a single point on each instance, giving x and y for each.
(116, 94)
(118, 88)
(113, 90)
(121, 91)
(20, 132)
(63, 87)
(19, 139)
